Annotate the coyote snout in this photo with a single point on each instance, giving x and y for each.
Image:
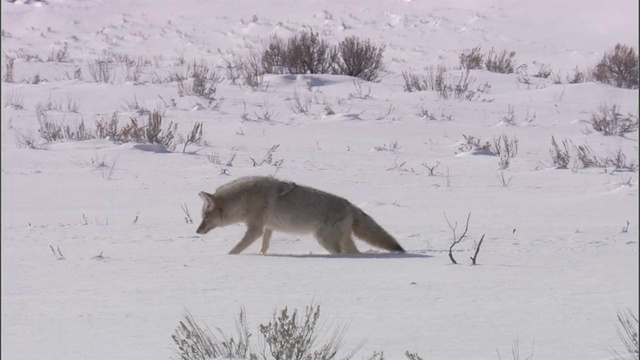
(202, 229)
(266, 204)
(211, 214)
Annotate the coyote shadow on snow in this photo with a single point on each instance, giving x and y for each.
(365, 255)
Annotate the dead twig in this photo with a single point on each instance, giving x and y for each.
(475, 255)
(58, 255)
(456, 240)
(187, 218)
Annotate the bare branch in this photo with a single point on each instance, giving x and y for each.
(456, 240)
(58, 255)
(187, 218)
(475, 255)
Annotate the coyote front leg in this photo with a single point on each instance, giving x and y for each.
(265, 240)
(252, 234)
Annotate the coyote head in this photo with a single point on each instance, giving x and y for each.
(211, 214)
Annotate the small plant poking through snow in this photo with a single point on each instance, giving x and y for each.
(58, 254)
(475, 145)
(560, 156)
(477, 250)
(266, 113)
(504, 181)
(289, 336)
(298, 105)
(194, 136)
(393, 147)
(609, 121)
(427, 115)
(14, 99)
(506, 148)
(27, 140)
(9, 66)
(625, 229)
(435, 80)
(432, 168)
(471, 59)
(584, 156)
(268, 158)
(543, 72)
(619, 162)
(107, 171)
(152, 132)
(412, 356)
(515, 351)
(187, 215)
(252, 73)
(204, 80)
(59, 55)
(502, 62)
(510, 118)
(456, 239)
(101, 71)
(51, 131)
(628, 333)
(194, 342)
(359, 93)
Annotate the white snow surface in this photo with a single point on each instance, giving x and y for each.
(554, 267)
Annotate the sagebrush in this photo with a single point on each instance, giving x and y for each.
(583, 156)
(610, 121)
(307, 52)
(503, 61)
(287, 336)
(459, 88)
(152, 131)
(618, 67)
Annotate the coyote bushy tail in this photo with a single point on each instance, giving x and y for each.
(368, 230)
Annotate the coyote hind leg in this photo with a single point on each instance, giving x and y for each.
(336, 240)
(347, 246)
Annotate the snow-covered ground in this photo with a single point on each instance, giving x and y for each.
(553, 270)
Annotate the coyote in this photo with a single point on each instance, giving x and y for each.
(266, 204)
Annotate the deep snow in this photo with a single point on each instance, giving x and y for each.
(555, 265)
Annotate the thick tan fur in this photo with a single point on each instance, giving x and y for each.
(266, 204)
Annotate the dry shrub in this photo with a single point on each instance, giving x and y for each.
(434, 80)
(307, 52)
(360, 58)
(150, 133)
(288, 336)
(471, 58)
(560, 156)
(618, 67)
(609, 121)
(502, 62)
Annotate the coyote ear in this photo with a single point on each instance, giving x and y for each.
(208, 198)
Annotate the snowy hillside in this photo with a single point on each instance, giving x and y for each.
(100, 255)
